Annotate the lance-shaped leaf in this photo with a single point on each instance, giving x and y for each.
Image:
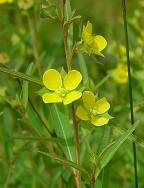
(64, 132)
(132, 137)
(106, 156)
(22, 76)
(70, 163)
(25, 88)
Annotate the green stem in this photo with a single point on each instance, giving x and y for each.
(9, 175)
(77, 145)
(65, 35)
(130, 86)
(66, 48)
(93, 176)
(69, 56)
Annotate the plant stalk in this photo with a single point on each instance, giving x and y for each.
(130, 87)
(68, 61)
(77, 145)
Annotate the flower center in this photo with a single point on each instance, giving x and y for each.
(93, 112)
(62, 91)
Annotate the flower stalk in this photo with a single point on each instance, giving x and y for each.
(68, 61)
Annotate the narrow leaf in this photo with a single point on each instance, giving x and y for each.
(64, 132)
(107, 155)
(70, 163)
(83, 68)
(132, 137)
(25, 88)
(106, 139)
(22, 76)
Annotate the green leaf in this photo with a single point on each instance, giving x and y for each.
(48, 11)
(122, 130)
(106, 115)
(64, 132)
(22, 76)
(55, 176)
(25, 88)
(43, 91)
(107, 155)
(83, 69)
(65, 161)
(106, 138)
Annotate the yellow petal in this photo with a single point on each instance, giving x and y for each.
(51, 98)
(88, 27)
(100, 42)
(87, 34)
(95, 51)
(72, 79)
(81, 113)
(88, 99)
(99, 121)
(102, 105)
(52, 79)
(72, 96)
(87, 38)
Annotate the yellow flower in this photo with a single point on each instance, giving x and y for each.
(6, 1)
(25, 4)
(93, 109)
(123, 51)
(63, 88)
(120, 74)
(91, 43)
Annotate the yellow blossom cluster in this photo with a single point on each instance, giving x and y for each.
(6, 1)
(65, 88)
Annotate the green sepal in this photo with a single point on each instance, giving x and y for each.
(43, 91)
(48, 11)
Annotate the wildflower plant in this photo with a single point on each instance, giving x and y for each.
(67, 115)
